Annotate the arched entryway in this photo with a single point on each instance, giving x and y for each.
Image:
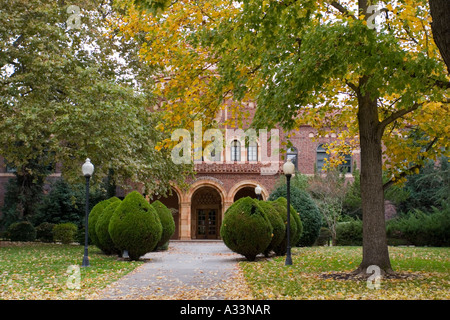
(173, 203)
(245, 192)
(247, 189)
(206, 213)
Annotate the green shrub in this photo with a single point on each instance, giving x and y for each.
(307, 209)
(105, 242)
(44, 232)
(65, 232)
(93, 217)
(167, 222)
(22, 231)
(246, 229)
(135, 226)
(422, 229)
(281, 206)
(349, 233)
(324, 237)
(277, 222)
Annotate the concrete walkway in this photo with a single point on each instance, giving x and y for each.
(195, 270)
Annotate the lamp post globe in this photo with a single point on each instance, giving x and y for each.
(288, 170)
(88, 170)
(258, 190)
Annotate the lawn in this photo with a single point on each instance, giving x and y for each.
(428, 270)
(46, 271)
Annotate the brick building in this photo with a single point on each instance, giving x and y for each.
(231, 174)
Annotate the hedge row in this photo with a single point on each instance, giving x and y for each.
(133, 225)
(45, 232)
(251, 227)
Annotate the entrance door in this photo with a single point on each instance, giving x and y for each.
(206, 223)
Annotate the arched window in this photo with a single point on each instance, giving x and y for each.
(235, 150)
(292, 154)
(252, 151)
(321, 156)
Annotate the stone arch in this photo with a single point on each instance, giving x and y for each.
(207, 202)
(247, 184)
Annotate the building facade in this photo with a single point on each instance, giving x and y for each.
(230, 174)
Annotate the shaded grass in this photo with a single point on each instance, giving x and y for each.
(429, 270)
(42, 271)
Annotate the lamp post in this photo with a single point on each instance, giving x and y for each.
(288, 170)
(258, 191)
(88, 170)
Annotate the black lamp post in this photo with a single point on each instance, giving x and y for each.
(288, 170)
(88, 170)
(258, 192)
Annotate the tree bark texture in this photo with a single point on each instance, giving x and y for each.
(375, 249)
(440, 13)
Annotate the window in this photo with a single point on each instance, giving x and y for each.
(292, 154)
(321, 156)
(346, 166)
(235, 151)
(252, 151)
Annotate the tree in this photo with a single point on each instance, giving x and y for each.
(440, 12)
(329, 191)
(320, 63)
(64, 93)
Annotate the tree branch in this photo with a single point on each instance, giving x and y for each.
(394, 116)
(410, 169)
(342, 9)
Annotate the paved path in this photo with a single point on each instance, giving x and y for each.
(188, 270)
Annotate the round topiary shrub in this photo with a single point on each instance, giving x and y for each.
(44, 232)
(307, 209)
(135, 226)
(246, 229)
(277, 222)
(65, 232)
(93, 217)
(281, 207)
(105, 242)
(22, 231)
(167, 222)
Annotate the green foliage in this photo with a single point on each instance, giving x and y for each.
(309, 213)
(246, 229)
(277, 222)
(135, 226)
(105, 242)
(59, 205)
(422, 228)
(94, 215)
(44, 232)
(296, 226)
(65, 232)
(167, 222)
(349, 233)
(22, 231)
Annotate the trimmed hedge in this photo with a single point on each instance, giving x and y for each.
(279, 228)
(307, 209)
(349, 233)
(93, 217)
(135, 226)
(44, 232)
(246, 229)
(105, 242)
(65, 232)
(167, 222)
(281, 206)
(22, 231)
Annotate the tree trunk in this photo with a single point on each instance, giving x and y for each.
(440, 12)
(375, 250)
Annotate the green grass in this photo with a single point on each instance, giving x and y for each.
(42, 271)
(271, 279)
